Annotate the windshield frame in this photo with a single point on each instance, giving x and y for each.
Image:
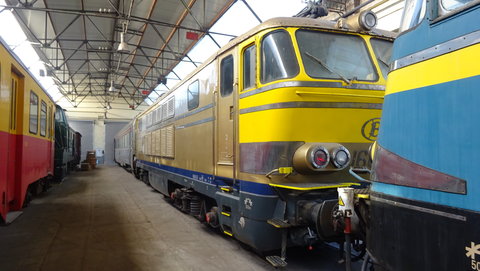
(377, 75)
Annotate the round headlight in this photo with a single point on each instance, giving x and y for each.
(341, 157)
(368, 20)
(319, 157)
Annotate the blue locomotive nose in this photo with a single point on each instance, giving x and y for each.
(423, 200)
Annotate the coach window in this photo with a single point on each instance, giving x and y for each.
(226, 76)
(249, 57)
(43, 119)
(278, 57)
(192, 95)
(33, 113)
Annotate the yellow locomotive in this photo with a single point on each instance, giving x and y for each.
(257, 139)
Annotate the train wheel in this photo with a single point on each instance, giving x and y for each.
(38, 187)
(212, 218)
(135, 173)
(48, 183)
(144, 178)
(28, 198)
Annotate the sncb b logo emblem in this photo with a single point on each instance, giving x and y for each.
(370, 129)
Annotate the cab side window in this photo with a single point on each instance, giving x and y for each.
(249, 57)
(450, 5)
(226, 76)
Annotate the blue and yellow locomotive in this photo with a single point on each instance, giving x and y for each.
(424, 211)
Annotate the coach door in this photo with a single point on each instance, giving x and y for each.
(225, 117)
(15, 127)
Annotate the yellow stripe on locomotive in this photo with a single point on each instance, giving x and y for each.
(462, 64)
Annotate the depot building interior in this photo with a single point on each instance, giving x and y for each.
(118, 85)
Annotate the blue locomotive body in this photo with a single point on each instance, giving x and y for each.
(424, 201)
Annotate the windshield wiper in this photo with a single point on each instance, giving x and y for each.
(383, 61)
(328, 68)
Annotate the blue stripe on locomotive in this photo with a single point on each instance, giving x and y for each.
(244, 186)
(412, 119)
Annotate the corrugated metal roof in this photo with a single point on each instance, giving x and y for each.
(78, 41)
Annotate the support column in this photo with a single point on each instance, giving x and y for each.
(99, 140)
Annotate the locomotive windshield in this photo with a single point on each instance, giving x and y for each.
(335, 56)
(414, 11)
(413, 14)
(383, 53)
(59, 114)
(453, 4)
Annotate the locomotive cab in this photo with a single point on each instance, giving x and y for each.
(66, 140)
(309, 108)
(323, 89)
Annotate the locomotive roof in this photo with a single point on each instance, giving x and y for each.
(300, 22)
(274, 23)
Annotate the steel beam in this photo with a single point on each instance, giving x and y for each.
(66, 60)
(95, 13)
(252, 11)
(79, 68)
(191, 14)
(63, 31)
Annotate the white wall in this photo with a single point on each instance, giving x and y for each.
(98, 134)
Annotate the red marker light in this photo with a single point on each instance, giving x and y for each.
(320, 158)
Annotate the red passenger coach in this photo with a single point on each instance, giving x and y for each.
(26, 135)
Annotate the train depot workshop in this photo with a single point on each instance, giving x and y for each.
(239, 135)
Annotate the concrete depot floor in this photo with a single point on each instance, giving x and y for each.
(106, 219)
